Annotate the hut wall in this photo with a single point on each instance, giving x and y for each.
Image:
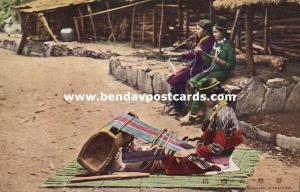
(283, 27)
(175, 20)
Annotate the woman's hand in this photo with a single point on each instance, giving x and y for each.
(219, 60)
(185, 153)
(198, 49)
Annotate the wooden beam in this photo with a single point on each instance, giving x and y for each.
(110, 23)
(249, 40)
(46, 25)
(116, 175)
(132, 27)
(235, 24)
(266, 31)
(77, 29)
(89, 9)
(161, 25)
(118, 8)
(81, 20)
(169, 5)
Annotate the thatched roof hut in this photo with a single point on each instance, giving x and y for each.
(47, 5)
(268, 27)
(232, 4)
(138, 20)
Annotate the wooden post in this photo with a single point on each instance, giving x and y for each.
(92, 21)
(77, 29)
(266, 31)
(24, 34)
(38, 27)
(154, 25)
(46, 25)
(161, 24)
(235, 24)
(180, 18)
(249, 39)
(81, 20)
(132, 27)
(109, 21)
(211, 12)
(237, 40)
(187, 23)
(143, 27)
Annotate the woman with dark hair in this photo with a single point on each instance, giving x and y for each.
(204, 42)
(223, 61)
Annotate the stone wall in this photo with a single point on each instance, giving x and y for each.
(253, 95)
(50, 48)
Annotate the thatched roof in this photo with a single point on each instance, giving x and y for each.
(45, 5)
(239, 3)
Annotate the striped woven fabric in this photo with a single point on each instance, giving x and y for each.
(148, 133)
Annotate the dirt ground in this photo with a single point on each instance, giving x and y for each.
(40, 132)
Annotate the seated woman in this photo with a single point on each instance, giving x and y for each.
(221, 134)
(204, 42)
(223, 61)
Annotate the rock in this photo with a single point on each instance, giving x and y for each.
(165, 85)
(296, 78)
(158, 86)
(274, 99)
(277, 82)
(144, 81)
(278, 148)
(248, 130)
(232, 89)
(264, 136)
(121, 73)
(250, 99)
(113, 64)
(131, 76)
(295, 145)
(289, 89)
(293, 101)
(46, 49)
(282, 141)
(244, 83)
(290, 143)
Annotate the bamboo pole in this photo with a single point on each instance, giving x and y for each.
(211, 7)
(77, 29)
(117, 8)
(235, 24)
(89, 9)
(187, 24)
(132, 27)
(81, 20)
(154, 26)
(46, 25)
(161, 25)
(143, 28)
(180, 17)
(109, 21)
(249, 40)
(266, 31)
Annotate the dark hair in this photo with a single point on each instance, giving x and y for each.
(222, 27)
(206, 25)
